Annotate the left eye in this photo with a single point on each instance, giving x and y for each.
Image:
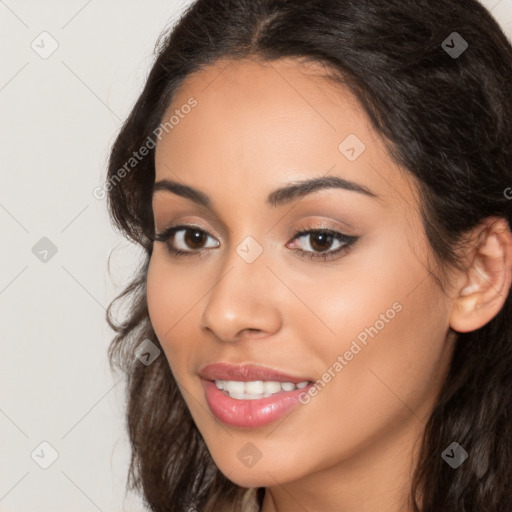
(321, 241)
(319, 245)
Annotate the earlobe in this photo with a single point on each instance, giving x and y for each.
(486, 282)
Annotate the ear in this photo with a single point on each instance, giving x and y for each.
(485, 284)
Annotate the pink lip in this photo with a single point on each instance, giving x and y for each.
(249, 413)
(246, 373)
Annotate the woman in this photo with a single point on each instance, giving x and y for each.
(322, 319)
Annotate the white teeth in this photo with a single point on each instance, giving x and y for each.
(256, 389)
(234, 386)
(272, 386)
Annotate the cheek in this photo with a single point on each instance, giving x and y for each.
(168, 296)
(157, 297)
(172, 299)
(388, 322)
(165, 303)
(393, 347)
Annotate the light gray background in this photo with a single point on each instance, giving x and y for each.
(59, 117)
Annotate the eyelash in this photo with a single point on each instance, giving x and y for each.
(347, 240)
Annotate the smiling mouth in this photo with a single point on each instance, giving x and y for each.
(256, 389)
(251, 396)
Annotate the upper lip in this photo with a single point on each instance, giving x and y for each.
(247, 372)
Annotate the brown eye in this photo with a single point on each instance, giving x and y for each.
(189, 239)
(321, 241)
(322, 244)
(194, 238)
(185, 240)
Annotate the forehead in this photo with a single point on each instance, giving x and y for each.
(259, 125)
(261, 100)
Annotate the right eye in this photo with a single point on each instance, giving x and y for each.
(185, 240)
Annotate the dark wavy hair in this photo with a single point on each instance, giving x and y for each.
(446, 119)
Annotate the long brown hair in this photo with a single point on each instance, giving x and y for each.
(446, 118)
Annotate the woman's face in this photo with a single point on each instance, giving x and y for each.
(368, 324)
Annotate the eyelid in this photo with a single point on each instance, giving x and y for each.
(180, 226)
(197, 214)
(307, 229)
(188, 225)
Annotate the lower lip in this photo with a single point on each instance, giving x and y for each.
(250, 413)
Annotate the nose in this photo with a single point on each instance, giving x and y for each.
(243, 301)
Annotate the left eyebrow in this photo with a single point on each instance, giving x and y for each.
(276, 198)
(300, 189)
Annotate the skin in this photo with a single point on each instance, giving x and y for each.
(256, 128)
